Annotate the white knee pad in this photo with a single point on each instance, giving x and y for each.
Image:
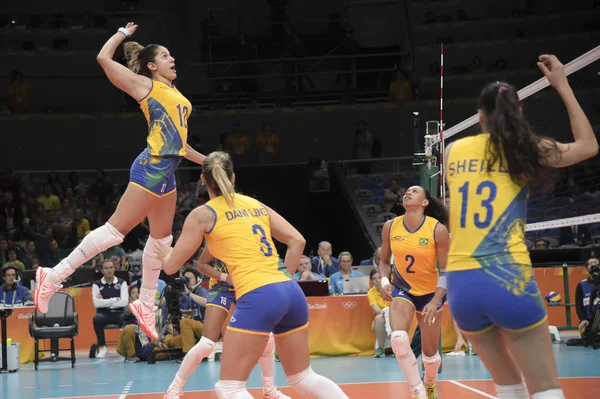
(270, 348)
(400, 343)
(105, 237)
(153, 244)
(311, 384)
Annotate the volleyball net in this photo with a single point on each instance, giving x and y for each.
(569, 216)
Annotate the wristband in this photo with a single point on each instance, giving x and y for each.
(385, 282)
(223, 277)
(125, 32)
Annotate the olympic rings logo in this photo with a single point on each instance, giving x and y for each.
(349, 305)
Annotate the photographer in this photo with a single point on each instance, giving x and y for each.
(11, 292)
(587, 296)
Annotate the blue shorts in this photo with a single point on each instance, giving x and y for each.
(503, 296)
(280, 308)
(220, 298)
(418, 301)
(155, 175)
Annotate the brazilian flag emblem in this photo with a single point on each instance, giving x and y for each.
(423, 242)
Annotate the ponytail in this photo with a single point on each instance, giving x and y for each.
(138, 57)
(218, 173)
(225, 186)
(512, 142)
(132, 55)
(436, 209)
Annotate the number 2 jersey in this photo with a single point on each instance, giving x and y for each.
(241, 238)
(488, 210)
(415, 256)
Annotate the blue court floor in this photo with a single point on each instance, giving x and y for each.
(360, 377)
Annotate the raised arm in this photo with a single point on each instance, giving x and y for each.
(198, 222)
(285, 233)
(586, 144)
(137, 86)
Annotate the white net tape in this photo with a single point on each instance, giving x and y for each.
(573, 66)
(566, 222)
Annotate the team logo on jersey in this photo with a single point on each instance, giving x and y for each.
(397, 238)
(423, 242)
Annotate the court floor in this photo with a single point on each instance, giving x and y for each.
(360, 377)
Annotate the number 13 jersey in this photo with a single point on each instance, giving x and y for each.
(241, 238)
(415, 256)
(488, 209)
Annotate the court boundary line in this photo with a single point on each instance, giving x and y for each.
(456, 382)
(126, 390)
(477, 391)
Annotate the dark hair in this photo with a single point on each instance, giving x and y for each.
(511, 135)
(138, 57)
(193, 271)
(217, 170)
(436, 209)
(6, 268)
(373, 272)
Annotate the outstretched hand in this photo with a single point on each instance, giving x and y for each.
(131, 27)
(554, 70)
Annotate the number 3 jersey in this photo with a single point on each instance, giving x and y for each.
(166, 111)
(415, 256)
(488, 209)
(241, 238)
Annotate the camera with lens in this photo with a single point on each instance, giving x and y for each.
(173, 292)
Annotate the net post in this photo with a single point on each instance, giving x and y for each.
(441, 127)
(565, 268)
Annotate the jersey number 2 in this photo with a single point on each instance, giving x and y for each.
(411, 262)
(257, 229)
(486, 189)
(182, 115)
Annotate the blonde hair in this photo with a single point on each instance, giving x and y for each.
(218, 171)
(138, 57)
(345, 253)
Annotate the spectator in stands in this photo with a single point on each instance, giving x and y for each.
(378, 304)
(3, 250)
(79, 224)
(114, 251)
(324, 263)
(53, 255)
(10, 213)
(267, 144)
(587, 296)
(237, 143)
(18, 93)
(393, 196)
(13, 261)
(401, 88)
(49, 200)
(29, 257)
(11, 292)
(540, 243)
(110, 297)
(336, 281)
(304, 273)
(374, 260)
(65, 213)
(575, 235)
(186, 201)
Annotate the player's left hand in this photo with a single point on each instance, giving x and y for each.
(430, 311)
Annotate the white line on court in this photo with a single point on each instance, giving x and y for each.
(126, 390)
(100, 383)
(487, 395)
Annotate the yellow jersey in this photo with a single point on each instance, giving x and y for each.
(375, 298)
(488, 211)
(167, 112)
(241, 238)
(415, 253)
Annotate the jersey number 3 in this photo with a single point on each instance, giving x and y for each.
(487, 190)
(257, 229)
